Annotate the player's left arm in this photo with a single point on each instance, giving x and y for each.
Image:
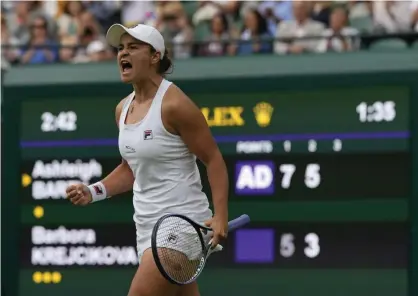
(181, 116)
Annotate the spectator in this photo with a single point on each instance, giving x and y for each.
(176, 27)
(282, 10)
(216, 44)
(321, 11)
(392, 16)
(9, 54)
(275, 12)
(339, 37)
(208, 9)
(88, 23)
(136, 12)
(52, 8)
(68, 50)
(19, 21)
(301, 26)
(87, 37)
(41, 48)
(39, 8)
(359, 9)
(255, 30)
(97, 51)
(69, 21)
(156, 18)
(105, 12)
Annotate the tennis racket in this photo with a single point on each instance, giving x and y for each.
(180, 246)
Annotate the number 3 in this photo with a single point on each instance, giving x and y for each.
(313, 249)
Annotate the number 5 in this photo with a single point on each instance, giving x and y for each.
(312, 176)
(287, 246)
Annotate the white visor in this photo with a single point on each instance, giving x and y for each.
(143, 33)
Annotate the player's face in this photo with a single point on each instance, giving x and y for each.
(134, 59)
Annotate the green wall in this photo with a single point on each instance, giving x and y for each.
(197, 77)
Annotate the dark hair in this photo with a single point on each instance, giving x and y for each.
(165, 64)
(224, 21)
(87, 32)
(45, 24)
(261, 22)
(42, 18)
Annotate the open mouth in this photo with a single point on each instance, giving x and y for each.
(126, 66)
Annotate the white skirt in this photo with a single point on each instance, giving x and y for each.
(185, 241)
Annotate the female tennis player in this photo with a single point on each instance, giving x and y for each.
(161, 132)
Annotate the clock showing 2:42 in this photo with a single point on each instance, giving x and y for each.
(65, 121)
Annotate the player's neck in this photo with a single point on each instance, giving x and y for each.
(147, 88)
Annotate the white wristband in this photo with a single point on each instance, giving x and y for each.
(98, 191)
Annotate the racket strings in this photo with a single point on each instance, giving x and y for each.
(180, 249)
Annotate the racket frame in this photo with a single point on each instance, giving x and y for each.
(232, 225)
(198, 227)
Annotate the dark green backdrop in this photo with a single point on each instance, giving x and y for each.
(313, 98)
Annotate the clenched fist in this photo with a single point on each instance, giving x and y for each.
(79, 194)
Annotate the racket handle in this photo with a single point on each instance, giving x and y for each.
(238, 222)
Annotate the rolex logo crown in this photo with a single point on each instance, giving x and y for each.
(263, 112)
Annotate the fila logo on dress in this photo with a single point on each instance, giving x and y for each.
(148, 135)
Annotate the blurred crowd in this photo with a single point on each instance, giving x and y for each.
(34, 32)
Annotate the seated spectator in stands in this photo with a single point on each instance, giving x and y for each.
(392, 16)
(88, 22)
(69, 21)
(276, 11)
(255, 35)
(176, 27)
(19, 21)
(359, 9)
(136, 12)
(68, 49)
(39, 8)
(208, 9)
(41, 48)
(9, 54)
(88, 36)
(302, 26)
(216, 44)
(339, 37)
(105, 12)
(321, 11)
(97, 51)
(88, 31)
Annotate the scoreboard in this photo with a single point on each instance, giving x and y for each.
(325, 176)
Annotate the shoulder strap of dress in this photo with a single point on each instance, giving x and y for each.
(125, 108)
(165, 84)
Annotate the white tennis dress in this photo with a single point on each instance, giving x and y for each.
(167, 179)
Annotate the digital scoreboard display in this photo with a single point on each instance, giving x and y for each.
(324, 175)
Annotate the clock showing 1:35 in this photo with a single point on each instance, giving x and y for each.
(377, 111)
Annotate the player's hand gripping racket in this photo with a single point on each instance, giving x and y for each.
(181, 246)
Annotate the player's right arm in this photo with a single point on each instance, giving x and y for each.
(120, 180)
